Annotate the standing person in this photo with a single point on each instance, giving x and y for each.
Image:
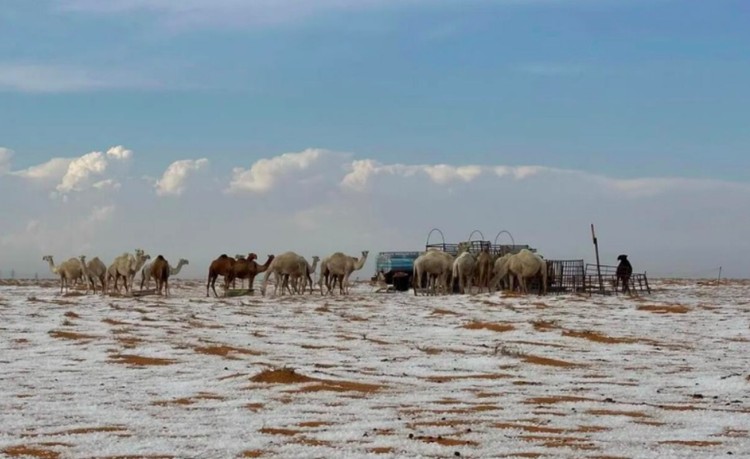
(624, 271)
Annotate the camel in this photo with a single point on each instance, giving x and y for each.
(483, 270)
(301, 282)
(173, 271)
(285, 265)
(340, 267)
(248, 268)
(222, 266)
(96, 270)
(500, 272)
(242, 268)
(160, 272)
(437, 265)
(68, 270)
(463, 270)
(525, 265)
(126, 266)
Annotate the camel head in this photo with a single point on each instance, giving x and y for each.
(47, 258)
(183, 262)
(252, 256)
(364, 253)
(83, 259)
(622, 257)
(315, 258)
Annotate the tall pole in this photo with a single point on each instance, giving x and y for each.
(598, 265)
(719, 281)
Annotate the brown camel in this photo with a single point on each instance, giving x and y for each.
(222, 266)
(160, 273)
(242, 268)
(256, 269)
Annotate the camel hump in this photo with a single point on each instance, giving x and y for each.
(160, 258)
(223, 255)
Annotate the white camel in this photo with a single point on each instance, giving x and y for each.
(173, 271)
(463, 270)
(68, 270)
(436, 265)
(340, 266)
(286, 265)
(526, 265)
(125, 266)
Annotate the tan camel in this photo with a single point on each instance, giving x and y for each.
(222, 266)
(96, 270)
(483, 270)
(160, 272)
(463, 270)
(173, 271)
(500, 272)
(68, 270)
(92, 271)
(437, 266)
(299, 283)
(310, 272)
(286, 265)
(340, 267)
(526, 265)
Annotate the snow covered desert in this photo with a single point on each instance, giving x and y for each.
(376, 375)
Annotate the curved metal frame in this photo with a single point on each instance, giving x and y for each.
(430, 234)
(472, 234)
(512, 241)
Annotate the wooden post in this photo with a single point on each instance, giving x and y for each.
(719, 281)
(598, 265)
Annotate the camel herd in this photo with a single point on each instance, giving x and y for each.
(124, 267)
(438, 270)
(434, 269)
(292, 272)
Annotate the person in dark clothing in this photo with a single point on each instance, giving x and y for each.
(624, 271)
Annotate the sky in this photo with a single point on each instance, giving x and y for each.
(202, 127)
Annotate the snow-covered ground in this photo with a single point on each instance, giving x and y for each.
(375, 375)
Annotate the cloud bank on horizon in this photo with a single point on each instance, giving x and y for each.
(317, 201)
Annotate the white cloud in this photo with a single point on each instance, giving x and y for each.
(5, 156)
(174, 179)
(362, 172)
(120, 153)
(443, 173)
(78, 174)
(265, 173)
(101, 214)
(521, 172)
(52, 170)
(81, 170)
(55, 78)
(109, 184)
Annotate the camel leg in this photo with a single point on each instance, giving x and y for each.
(211, 286)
